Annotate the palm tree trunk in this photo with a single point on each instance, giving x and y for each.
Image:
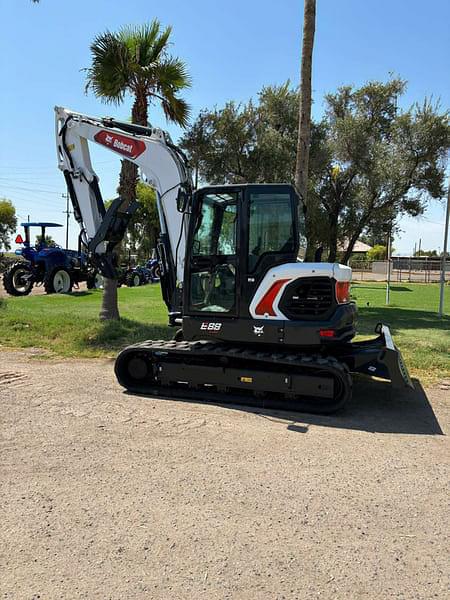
(304, 123)
(127, 190)
(129, 171)
(110, 309)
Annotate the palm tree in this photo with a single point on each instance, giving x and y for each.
(135, 61)
(304, 119)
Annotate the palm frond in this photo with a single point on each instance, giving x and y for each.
(161, 44)
(109, 73)
(145, 42)
(172, 73)
(176, 110)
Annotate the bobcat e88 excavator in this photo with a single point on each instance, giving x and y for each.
(256, 325)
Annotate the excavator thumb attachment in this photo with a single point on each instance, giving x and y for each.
(111, 233)
(378, 357)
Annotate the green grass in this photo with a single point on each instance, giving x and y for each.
(422, 337)
(69, 325)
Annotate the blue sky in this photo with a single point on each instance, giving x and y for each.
(232, 48)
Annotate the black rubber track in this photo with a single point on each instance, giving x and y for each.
(155, 353)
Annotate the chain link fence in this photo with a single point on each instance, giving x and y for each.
(411, 270)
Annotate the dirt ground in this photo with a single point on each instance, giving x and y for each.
(113, 496)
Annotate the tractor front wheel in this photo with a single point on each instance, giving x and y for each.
(18, 280)
(133, 280)
(155, 271)
(58, 281)
(95, 281)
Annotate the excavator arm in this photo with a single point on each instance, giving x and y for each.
(162, 166)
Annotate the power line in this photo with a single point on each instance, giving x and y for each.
(36, 201)
(32, 170)
(27, 181)
(24, 189)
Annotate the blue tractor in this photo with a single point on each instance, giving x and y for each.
(49, 265)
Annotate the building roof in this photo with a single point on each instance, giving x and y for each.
(358, 247)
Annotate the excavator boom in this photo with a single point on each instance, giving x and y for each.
(162, 166)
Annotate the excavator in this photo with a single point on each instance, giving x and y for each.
(255, 325)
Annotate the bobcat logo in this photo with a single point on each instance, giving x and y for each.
(259, 331)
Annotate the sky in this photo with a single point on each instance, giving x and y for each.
(233, 48)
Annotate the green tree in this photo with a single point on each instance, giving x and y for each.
(369, 162)
(382, 162)
(48, 240)
(143, 230)
(378, 252)
(254, 141)
(135, 61)
(430, 253)
(220, 143)
(8, 222)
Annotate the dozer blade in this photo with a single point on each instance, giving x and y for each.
(378, 357)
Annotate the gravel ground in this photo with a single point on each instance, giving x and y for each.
(114, 496)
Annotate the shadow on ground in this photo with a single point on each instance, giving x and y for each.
(80, 293)
(358, 285)
(116, 335)
(399, 318)
(375, 407)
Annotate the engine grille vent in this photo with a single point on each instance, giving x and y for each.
(307, 298)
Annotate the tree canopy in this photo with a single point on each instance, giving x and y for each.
(8, 222)
(143, 228)
(370, 161)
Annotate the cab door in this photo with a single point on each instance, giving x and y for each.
(212, 276)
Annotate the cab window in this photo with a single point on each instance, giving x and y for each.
(271, 228)
(213, 255)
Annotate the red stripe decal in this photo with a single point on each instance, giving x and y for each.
(265, 305)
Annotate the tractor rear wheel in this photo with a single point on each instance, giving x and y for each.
(18, 279)
(58, 281)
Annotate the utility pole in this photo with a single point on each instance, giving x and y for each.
(444, 256)
(67, 213)
(388, 278)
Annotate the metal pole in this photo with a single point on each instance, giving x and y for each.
(388, 279)
(444, 256)
(67, 211)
